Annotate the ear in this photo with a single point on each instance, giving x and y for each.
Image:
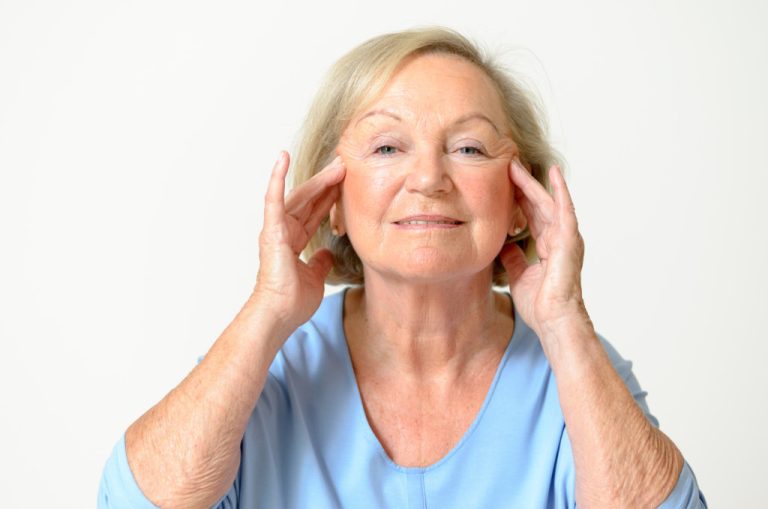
(518, 222)
(338, 227)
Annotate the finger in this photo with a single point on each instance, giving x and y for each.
(531, 187)
(301, 209)
(305, 197)
(563, 203)
(313, 218)
(274, 201)
(537, 218)
(320, 210)
(306, 192)
(513, 259)
(321, 263)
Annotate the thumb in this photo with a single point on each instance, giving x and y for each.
(321, 263)
(513, 259)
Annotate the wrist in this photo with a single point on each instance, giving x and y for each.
(564, 320)
(265, 321)
(567, 333)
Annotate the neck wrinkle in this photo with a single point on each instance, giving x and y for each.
(431, 332)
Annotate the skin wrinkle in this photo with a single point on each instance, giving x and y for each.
(630, 472)
(384, 178)
(460, 120)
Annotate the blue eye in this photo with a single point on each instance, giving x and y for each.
(388, 152)
(477, 151)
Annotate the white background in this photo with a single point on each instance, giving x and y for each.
(135, 143)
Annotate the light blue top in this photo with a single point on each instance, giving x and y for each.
(308, 442)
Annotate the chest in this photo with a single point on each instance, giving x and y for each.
(417, 427)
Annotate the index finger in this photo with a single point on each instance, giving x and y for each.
(274, 201)
(531, 187)
(317, 184)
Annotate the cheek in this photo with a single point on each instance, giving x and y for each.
(366, 191)
(490, 196)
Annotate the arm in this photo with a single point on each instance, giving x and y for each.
(686, 493)
(185, 451)
(621, 459)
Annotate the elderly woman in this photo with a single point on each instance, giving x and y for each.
(421, 182)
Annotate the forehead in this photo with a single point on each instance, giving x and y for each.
(434, 89)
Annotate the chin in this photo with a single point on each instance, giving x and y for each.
(423, 266)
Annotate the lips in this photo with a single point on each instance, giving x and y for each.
(428, 219)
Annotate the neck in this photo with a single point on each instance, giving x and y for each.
(427, 331)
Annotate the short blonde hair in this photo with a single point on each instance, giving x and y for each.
(359, 76)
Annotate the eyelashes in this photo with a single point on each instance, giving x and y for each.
(389, 150)
(476, 149)
(378, 149)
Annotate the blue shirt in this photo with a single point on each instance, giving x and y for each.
(308, 442)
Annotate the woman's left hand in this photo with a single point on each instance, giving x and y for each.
(549, 291)
(608, 431)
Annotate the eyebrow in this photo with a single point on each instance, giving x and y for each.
(464, 118)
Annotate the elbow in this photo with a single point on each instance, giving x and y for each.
(644, 477)
(196, 488)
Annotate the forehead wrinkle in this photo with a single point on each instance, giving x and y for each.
(379, 111)
(421, 120)
(476, 116)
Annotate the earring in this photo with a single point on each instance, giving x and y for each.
(516, 231)
(335, 231)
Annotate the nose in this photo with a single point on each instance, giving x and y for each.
(428, 175)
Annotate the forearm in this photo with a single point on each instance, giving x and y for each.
(185, 451)
(621, 459)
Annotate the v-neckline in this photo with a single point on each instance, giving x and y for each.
(362, 418)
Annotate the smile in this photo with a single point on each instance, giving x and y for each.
(429, 222)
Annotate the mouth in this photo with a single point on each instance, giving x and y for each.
(429, 221)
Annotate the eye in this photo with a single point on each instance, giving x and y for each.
(385, 150)
(477, 151)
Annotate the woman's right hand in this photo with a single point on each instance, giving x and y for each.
(185, 451)
(286, 285)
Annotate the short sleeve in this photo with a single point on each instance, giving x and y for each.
(686, 494)
(118, 488)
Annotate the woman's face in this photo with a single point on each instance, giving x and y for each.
(427, 194)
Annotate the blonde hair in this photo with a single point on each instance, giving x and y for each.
(359, 76)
